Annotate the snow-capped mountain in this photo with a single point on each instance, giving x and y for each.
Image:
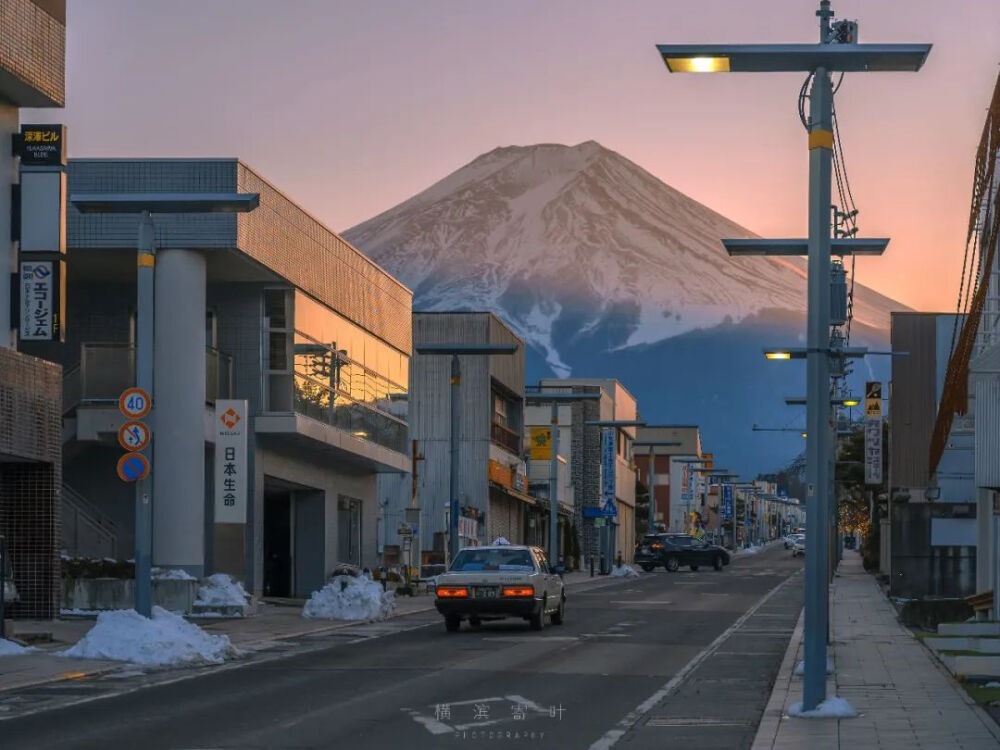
(605, 270)
(549, 233)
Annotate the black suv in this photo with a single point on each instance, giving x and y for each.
(673, 550)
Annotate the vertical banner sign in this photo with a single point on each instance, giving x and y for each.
(540, 448)
(687, 483)
(232, 479)
(873, 432)
(727, 502)
(608, 468)
(38, 290)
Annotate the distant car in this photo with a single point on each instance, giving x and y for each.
(799, 547)
(673, 550)
(497, 581)
(791, 538)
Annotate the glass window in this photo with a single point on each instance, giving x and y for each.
(492, 558)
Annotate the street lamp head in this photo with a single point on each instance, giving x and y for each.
(805, 58)
(851, 402)
(697, 64)
(777, 355)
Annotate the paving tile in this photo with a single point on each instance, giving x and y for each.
(905, 699)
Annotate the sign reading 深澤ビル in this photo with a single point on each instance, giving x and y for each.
(43, 146)
(232, 470)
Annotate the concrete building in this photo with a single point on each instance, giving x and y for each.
(268, 307)
(932, 524)
(493, 483)
(32, 74)
(538, 429)
(671, 474)
(615, 404)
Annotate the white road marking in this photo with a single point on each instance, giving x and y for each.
(639, 601)
(611, 737)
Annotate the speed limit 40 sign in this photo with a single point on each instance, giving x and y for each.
(134, 403)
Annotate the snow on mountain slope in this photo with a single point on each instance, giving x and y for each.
(557, 238)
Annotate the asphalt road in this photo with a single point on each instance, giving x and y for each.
(667, 660)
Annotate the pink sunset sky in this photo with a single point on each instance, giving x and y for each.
(353, 106)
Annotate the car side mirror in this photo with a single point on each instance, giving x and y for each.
(559, 570)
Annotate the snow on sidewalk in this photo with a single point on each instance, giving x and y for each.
(350, 598)
(9, 648)
(221, 590)
(165, 639)
(624, 571)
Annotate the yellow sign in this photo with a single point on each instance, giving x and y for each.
(873, 399)
(541, 443)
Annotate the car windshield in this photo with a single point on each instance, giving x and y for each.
(470, 560)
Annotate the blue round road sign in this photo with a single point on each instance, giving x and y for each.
(132, 467)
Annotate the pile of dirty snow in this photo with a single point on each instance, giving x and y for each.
(9, 648)
(165, 639)
(350, 598)
(831, 708)
(751, 550)
(221, 590)
(624, 571)
(171, 574)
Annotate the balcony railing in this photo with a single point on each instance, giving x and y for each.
(316, 400)
(506, 438)
(105, 370)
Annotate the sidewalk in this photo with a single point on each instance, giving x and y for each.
(270, 625)
(904, 698)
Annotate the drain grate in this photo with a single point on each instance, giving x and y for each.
(695, 721)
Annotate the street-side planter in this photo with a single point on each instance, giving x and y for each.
(119, 593)
(965, 666)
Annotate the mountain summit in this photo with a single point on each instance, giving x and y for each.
(608, 272)
(565, 241)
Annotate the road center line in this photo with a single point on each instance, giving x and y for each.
(611, 737)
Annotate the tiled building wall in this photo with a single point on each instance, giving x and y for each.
(283, 237)
(33, 46)
(31, 444)
(585, 469)
(239, 318)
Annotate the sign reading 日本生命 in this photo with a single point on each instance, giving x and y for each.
(608, 468)
(231, 461)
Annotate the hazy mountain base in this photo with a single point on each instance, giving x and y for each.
(716, 378)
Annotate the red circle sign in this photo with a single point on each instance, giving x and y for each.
(132, 467)
(134, 403)
(133, 436)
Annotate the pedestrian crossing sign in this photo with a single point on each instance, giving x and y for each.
(609, 510)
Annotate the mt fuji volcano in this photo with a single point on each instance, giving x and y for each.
(605, 270)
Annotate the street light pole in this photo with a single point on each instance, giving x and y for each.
(554, 486)
(456, 381)
(818, 375)
(146, 263)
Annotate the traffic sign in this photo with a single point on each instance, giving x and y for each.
(134, 403)
(600, 512)
(133, 436)
(132, 467)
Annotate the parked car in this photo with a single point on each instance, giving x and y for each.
(497, 581)
(790, 539)
(673, 550)
(799, 547)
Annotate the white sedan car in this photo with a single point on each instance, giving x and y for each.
(506, 580)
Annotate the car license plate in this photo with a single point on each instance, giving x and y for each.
(486, 592)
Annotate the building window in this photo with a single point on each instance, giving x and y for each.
(499, 410)
(347, 377)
